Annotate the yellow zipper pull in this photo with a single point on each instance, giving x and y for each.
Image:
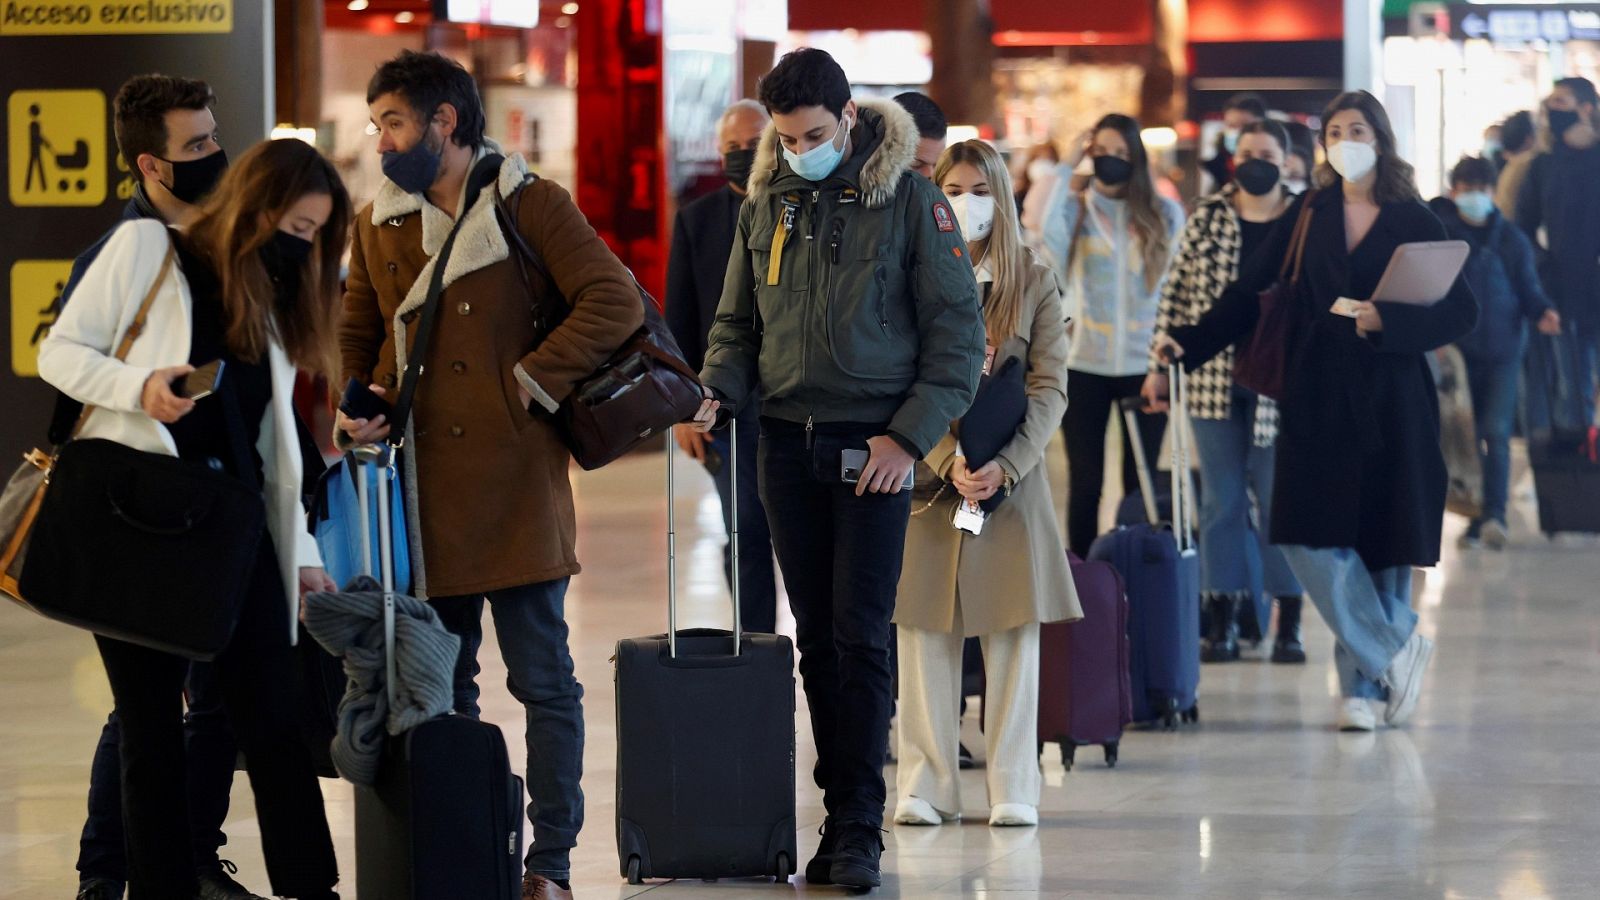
(780, 236)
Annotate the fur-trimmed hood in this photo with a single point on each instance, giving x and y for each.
(886, 146)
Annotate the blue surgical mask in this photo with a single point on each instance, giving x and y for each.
(820, 161)
(1475, 206)
(1230, 141)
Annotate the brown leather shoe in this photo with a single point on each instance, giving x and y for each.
(538, 887)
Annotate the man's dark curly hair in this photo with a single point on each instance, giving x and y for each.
(427, 80)
(139, 112)
(805, 77)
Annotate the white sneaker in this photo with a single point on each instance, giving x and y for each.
(917, 811)
(1404, 679)
(1355, 714)
(1494, 535)
(1468, 542)
(1013, 815)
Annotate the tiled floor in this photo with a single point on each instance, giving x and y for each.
(1494, 791)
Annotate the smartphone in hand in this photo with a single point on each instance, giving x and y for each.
(853, 462)
(200, 383)
(359, 402)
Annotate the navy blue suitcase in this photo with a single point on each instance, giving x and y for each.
(1161, 570)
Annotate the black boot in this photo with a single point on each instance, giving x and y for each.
(1250, 630)
(1222, 644)
(1287, 648)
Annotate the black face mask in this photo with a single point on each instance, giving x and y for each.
(737, 165)
(284, 256)
(1112, 170)
(1561, 120)
(1257, 176)
(194, 178)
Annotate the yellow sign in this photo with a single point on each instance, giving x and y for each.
(36, 286)
(57, 147)
(35, 17)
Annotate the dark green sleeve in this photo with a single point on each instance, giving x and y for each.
(734, 346)
(949, 323)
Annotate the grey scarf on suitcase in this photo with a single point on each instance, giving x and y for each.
(349, 624)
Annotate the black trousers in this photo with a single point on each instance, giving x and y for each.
(211, 751)
(255, 677)
(840, 555)
(1091, 402)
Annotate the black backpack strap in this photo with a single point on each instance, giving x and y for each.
(484, 173)
(549, 305)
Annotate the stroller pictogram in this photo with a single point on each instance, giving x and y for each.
(66, 164)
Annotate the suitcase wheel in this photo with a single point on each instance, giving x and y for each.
(1192, 714)
(785, 868)
(1111, 754)
(1069, 750)
(633, 871)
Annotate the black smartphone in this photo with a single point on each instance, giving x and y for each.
(359, 402)
(200, 383)
(853, 462)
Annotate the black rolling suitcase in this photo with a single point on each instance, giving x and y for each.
(444, 819)
(705, 743)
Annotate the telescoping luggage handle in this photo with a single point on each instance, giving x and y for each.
(381, 459)
(672, 542)
(1182, 479)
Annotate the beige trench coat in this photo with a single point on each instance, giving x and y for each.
(1014, 573)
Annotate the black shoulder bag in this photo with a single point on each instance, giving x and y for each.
(144, 547)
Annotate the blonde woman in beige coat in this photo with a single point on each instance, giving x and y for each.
(1000, 584)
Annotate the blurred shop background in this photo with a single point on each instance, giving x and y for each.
(618, 99)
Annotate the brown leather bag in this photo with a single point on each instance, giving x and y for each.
(643, 389)
(1261, 361)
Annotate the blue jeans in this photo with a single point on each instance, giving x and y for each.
(211, 754)
(841, 557)
(758, 577)
(1493, 385)
(1232, 467)
(531, 625)
(1368, 611)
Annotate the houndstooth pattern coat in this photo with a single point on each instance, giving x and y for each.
(1207, 262)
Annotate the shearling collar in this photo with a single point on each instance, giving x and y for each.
(887, 133)
(480, 243)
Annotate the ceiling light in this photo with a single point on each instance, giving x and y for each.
(564, 22)
(405, 18)
(357, 5)
(570, 9)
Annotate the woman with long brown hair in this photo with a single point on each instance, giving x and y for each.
(1002, 582)
(253, 284)
(1111, 243)
(1359, 480)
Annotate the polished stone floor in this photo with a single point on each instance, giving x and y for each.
(1493, 791)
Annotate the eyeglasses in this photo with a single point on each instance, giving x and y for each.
(372, 129)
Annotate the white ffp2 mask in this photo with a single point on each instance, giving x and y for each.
(976, 215)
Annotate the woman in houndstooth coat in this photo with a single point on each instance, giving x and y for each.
(1234, 428)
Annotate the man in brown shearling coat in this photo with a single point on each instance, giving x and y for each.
(491, 514)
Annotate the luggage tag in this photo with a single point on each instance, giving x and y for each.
(780, 236)
(968, 517)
